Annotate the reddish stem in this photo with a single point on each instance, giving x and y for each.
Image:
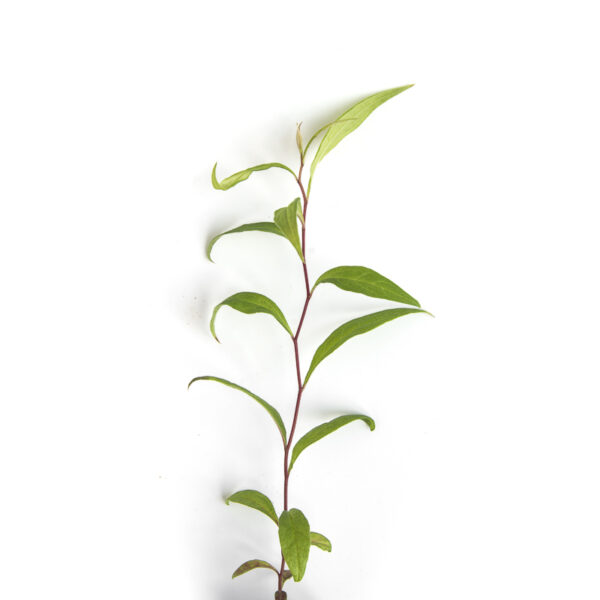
(286, 470)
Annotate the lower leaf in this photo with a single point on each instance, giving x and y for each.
(294, 536)
(255, 500)
(250, 565)
(320, 541)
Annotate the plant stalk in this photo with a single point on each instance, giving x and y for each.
(286, 470)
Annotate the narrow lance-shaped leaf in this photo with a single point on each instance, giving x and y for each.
(265, 226)
(273, 412)
(319, 131)
(320, 541)
(286, 219)
(255, 500)
(350, 120)
(353, 328)
(366, 281)
(319, 432)
(250, 303)
(294, 536)
(253, 564)
(236, 178)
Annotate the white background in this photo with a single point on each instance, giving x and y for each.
(477, 191)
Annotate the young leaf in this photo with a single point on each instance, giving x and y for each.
(299, 212)
(294, 536)
(236, 178)
(273, 412)
(253, 564)
(250, 303)
(319, 432)
(353, 328)
(366, 281)
(320, 541)
(265, 226)
(350, 120)
(287, 574)
(255, 500)
(285, 219)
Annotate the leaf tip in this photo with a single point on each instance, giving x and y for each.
(212, 324)
(214, 180)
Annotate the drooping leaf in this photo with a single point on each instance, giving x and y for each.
(320, 541)
(236, 178)
(286, 219)
(255, 500)
(366, 281)
(273, 412)
(350, 120)
(294, 536)
(253, 564)
(265, 226)
(319, 432)
(250, 303)
(353, 328)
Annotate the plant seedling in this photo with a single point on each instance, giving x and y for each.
(290, 222)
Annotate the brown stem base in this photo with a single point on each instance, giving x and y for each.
(280, 596)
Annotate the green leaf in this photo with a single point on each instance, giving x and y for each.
(270, 409)
(255, 500)
(286, 219)
(250, 303)
(353, 328)
(321, 130)
(287, 574)
(320, 541)
(294, 536)
(236, 178)
(366, 281)
(265, 226)
(253, 564)
(319, 432)
(350, 120)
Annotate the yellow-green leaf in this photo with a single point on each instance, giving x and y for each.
(236, 178)
(255, 500)
(294, 536)
(320, 541)
(286, 219)
(366, 281)
(319, 131)
(350, 120)
(319, 432)
(265, 226)
(273, 412)
(353, 328)
(251, 303)
(253, 564)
